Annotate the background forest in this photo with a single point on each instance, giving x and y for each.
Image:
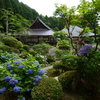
(20, 16)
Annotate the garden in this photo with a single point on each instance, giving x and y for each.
(75, 61)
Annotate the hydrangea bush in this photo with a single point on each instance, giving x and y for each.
(20, 76)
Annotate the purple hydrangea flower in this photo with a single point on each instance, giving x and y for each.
(3, 90)
(85, 50)
(16, 89)
(21, 66)
(37, 63)
(13, 81)
(41, 72)
(17, 62)
(28, 90)
(7, 78)
(30, 71)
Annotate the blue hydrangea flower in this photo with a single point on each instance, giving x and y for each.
(13, 81)
(9, 67)
(30, 71)
(37, 63)
(11, 71)
(17, 62)
(22, 98)
(37, 78)
(16, 89)
(28, 90)
(8, 64)
(41, 72)
(21, 66)
(7, 78)
(34, 83)
(3, 90)
(3, 56)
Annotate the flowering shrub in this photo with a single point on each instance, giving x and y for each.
(20, 75)
(4, 57)
(85, 50)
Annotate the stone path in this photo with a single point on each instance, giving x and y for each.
(49, 67)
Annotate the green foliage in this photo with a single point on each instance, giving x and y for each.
(66, 79)
(47, 89)
(50, 58)
(4, 57)
(70, 61)
(41, 59)
(21, 73)
(32, 52)
(24, 54)
(63, 44)
(53, 72)
(26, 47)
(12, 42)
(42, 48)
(4, 47)
(59, 53)
(92, 72)
(60, 35)
(88, 40)
(59, 65)
(12, 49)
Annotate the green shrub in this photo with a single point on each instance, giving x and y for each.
(32, 52)
(59, 65)
(14, 50)
(53, 72)
(63, 44)
(66, 79)
(50, 58)
(4, 47)
(59, 53)
(47, 89)
(41, 59)
(26, 47)
(71, 61)
(42, 48)
(22, 50)
(12, 42)
(24, 54)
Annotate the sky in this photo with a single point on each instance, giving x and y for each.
(47, 7)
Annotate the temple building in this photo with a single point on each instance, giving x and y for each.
(39, 30)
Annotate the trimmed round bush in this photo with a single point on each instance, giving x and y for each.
(26, 47)
(12, 42)
(47, 89)
(66, 79)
